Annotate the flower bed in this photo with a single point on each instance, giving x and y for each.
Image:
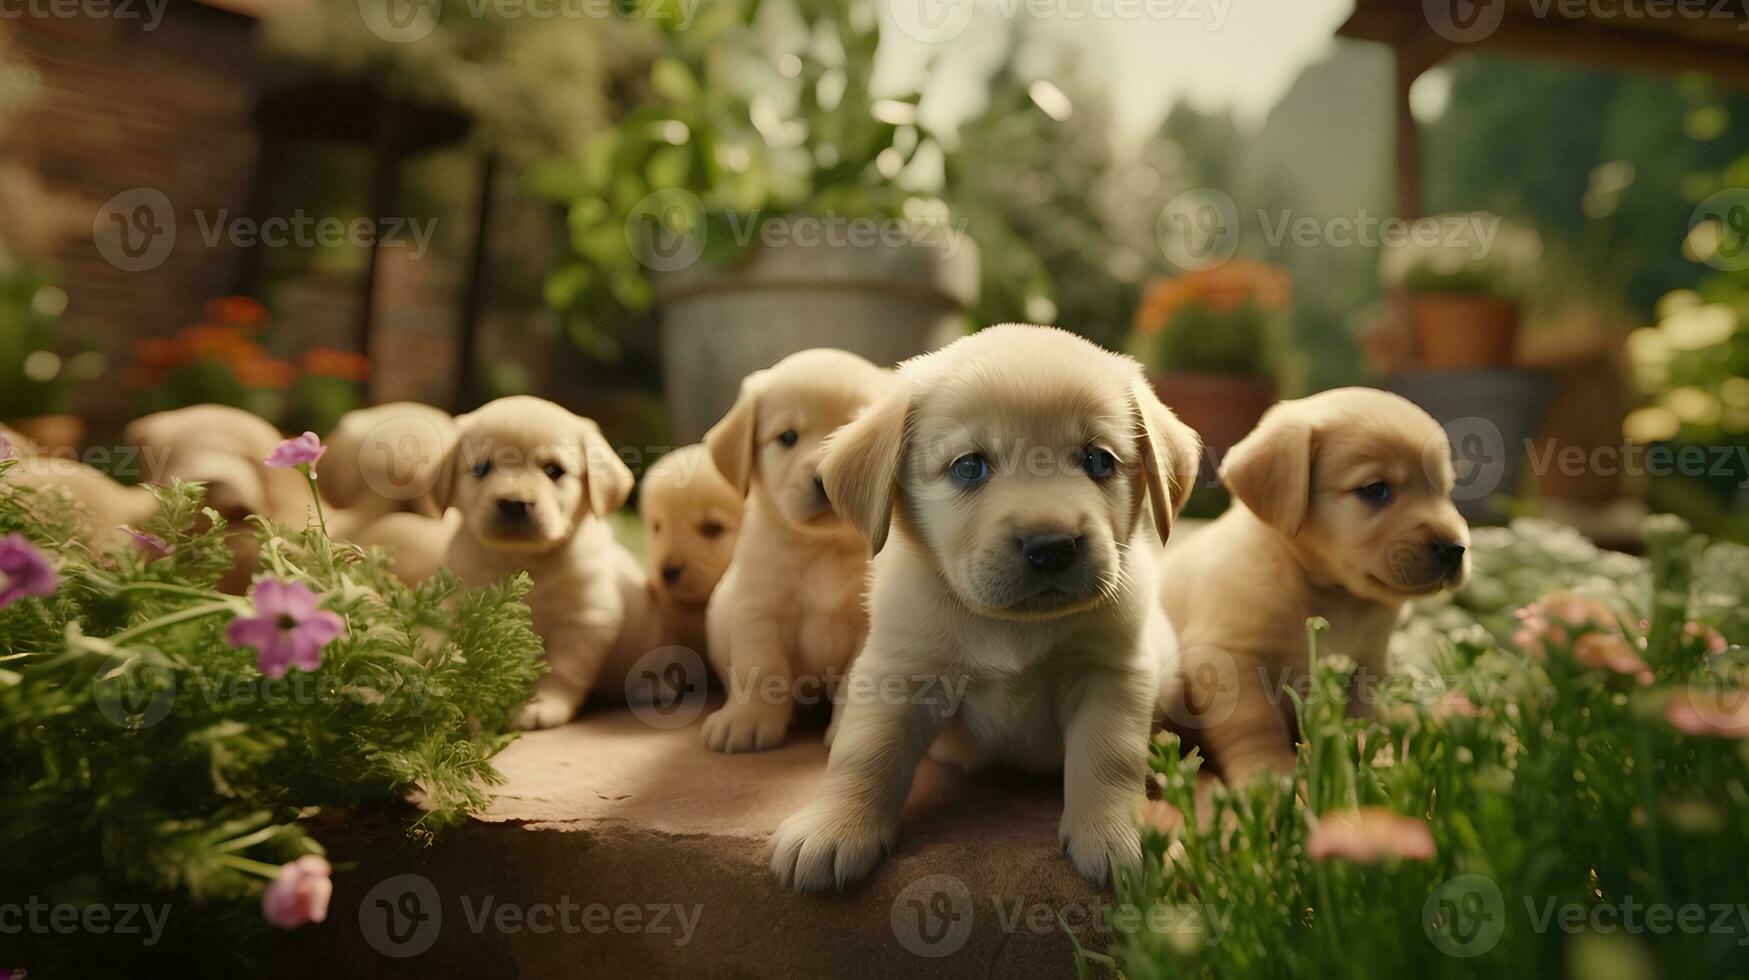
(1559, 785)
(167, 748)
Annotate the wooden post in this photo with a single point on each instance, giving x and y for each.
(474, 296)
(384, 180)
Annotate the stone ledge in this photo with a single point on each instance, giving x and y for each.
(610, 813)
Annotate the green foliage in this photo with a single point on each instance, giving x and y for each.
(29, 324)
(1561, 787)
(1245, 341)
(143, 758)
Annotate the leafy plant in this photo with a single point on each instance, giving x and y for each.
(34, 379)
(1429, 259)
(145, 757)
(1514, 807)
(1223, 320)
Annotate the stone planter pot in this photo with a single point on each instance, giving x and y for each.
(54, 434)
(1222, 408)
(1464, 330)
(1490, 418)
(884, 301)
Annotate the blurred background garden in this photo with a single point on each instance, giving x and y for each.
(303, 206)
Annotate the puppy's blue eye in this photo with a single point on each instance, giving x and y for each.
(788, 437)
(1098, 463)
(483, 467)
(970, 469)
(554, 470)
(1375, 493)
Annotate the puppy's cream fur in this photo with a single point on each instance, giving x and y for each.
(104, 504)
(533, 484)
(791, 602)
(1303, 539)
(692, 518)
(227, 448)
(384, 460)
(975, 644)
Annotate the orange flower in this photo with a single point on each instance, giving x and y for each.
(157, 352)
(1223, 288)
(334, 363)
(265, 372)
(237, 311)
(1369, 835)
(213, 340)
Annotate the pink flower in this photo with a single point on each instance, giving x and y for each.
(1611, 651)
(300, 894)
(1713, 640)
(297, 451)
(1370, 835)
(24, 571)
(148, 542)
(1722, 712)
(1550, 621)
(287, 628)
(5, 447)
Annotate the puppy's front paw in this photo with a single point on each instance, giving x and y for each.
(545, 710)
(745, 728)
(824, 845)
(1100, 844)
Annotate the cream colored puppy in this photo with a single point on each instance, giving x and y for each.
(226, 448)
(1016, 489)
(105, 505)
(534, 485)
(1342, 509)
(692, 518)
(790, 604)
(384, 460)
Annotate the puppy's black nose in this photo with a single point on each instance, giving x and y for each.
(512, 508)
(671, 573)
(1048, 552)
(1448, 553)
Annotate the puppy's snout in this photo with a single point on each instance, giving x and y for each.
(509, 508)
(1050, 551)
(1448, 554)
(671, 573)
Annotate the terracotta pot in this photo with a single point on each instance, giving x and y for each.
(53, 434)
(1222, 408)
(1464, 330)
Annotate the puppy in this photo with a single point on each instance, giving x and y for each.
(383, 460)
(1016, 490)
(534, 485)
(1342, 509)
(692, 517)
(791, 601)
(226, 448)
(105, 505)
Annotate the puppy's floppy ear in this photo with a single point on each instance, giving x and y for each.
(731, 441)
(1270, 470)
(442, 492)
(607, 479)
(1171, 452)
(860, 470)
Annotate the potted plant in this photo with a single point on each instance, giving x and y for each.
(1463, 276)
(1211, 343)
(762, 199)
(220, 361)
